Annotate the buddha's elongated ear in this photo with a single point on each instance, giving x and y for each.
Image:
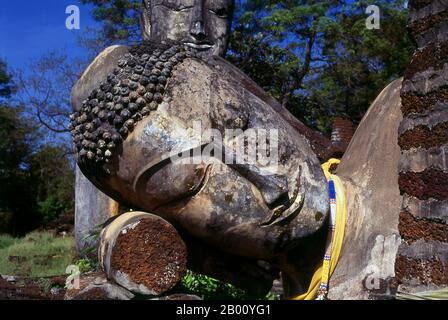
(145, 19)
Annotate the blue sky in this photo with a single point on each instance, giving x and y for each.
(31, 28)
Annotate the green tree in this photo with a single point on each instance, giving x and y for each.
(316, 57)
(15, 151)
(17, 204)
(359, 62)
(36, 179)
(7, 86)
(54, 178)
(120, 20)
(37, 184)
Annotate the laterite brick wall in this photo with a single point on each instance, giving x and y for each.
(422, 260)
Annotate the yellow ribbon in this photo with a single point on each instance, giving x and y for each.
(114, 207)
(324, 271)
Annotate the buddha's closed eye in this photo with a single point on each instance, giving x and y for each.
(176, 5)
(163, 182)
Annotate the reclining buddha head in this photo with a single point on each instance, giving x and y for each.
(178, 133)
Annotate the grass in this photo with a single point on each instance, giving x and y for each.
(39, 254)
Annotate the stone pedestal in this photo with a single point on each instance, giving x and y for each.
(92, 208)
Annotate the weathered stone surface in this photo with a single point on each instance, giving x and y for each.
(92, 208)
(422, 265)
(411, 271)
(427, 21)
(430, 57)
(205, 27)
(430, 209)
(143, 253)
(425, 249)
(320, 144)
(426, 8)
(419, 4)
(112, 110)
(433, 35)
(246, 210)
(423, 104)
(426, 82)
(94, 286)
(419, 159)
(433, 20)
(430, 119)
(369, 170)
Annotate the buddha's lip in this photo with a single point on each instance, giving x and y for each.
(199, 46)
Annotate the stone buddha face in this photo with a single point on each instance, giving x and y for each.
(200, 24)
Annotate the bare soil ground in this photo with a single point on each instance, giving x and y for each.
(32, 289)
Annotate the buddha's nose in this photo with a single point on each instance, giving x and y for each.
(198, 31)
(273, 188)
(197, 28)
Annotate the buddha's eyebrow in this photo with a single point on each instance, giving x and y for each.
(273, 188)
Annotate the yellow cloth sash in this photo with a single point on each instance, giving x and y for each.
(326, 268)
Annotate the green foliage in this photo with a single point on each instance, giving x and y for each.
(39, 254)
(86, 265)
(209, 288)
(49, 209)
(212, 289)
(54, 178)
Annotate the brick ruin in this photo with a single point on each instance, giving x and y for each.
(422, 259)
(342, 134)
